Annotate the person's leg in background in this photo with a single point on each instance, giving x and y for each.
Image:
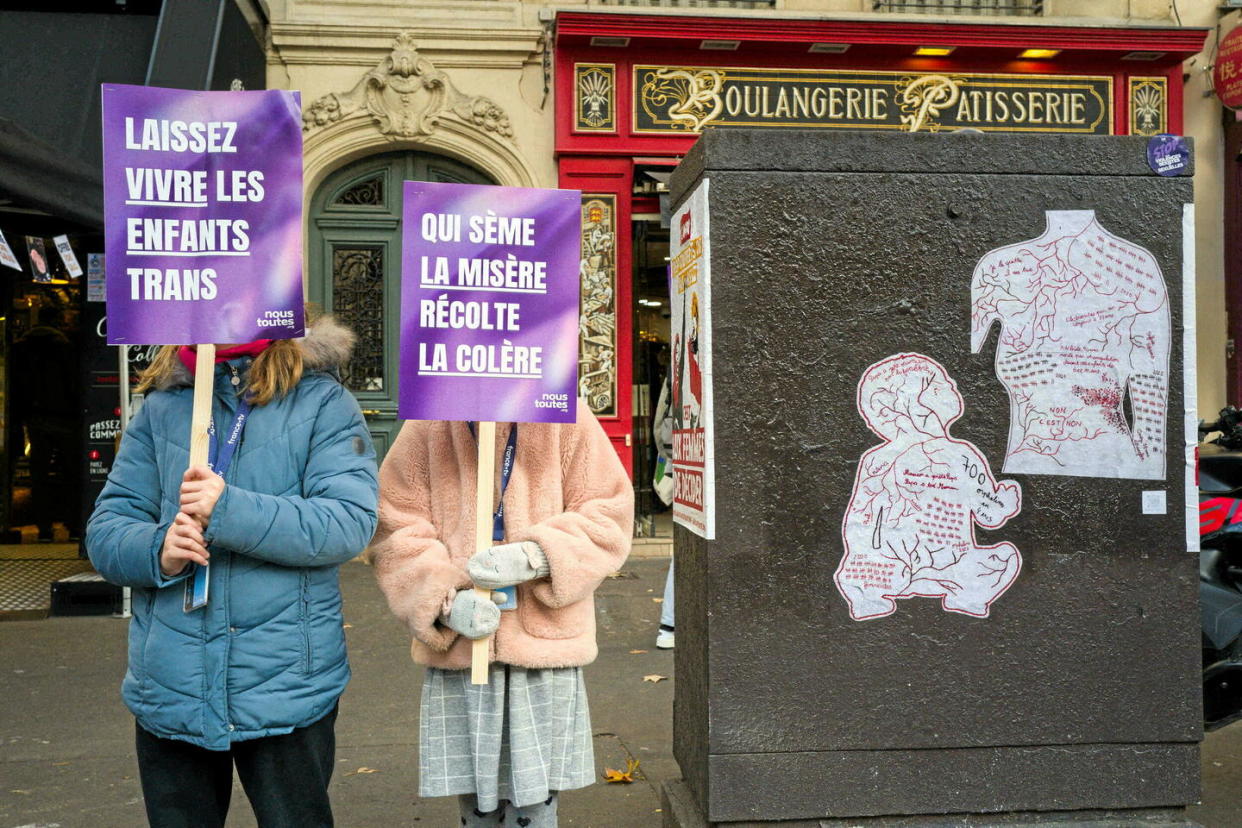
(286, 777)
(666, 639)
(68, 498)
(183, 785)
(42, 446)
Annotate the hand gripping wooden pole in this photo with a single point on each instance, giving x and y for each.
(483, 511)
(204, 385)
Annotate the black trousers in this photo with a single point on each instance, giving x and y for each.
(285, 777)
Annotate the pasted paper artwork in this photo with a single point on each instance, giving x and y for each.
(909, 529)
(1083, 349)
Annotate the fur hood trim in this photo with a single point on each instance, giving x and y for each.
(326, 347)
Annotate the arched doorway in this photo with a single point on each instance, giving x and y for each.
(355, 268)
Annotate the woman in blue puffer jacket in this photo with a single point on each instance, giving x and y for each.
(251, 679)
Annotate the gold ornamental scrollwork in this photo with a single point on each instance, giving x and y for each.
(407, 96)
(596, 93)
(597, 320)
(690, 98)
(921, 100)
(1149, 106)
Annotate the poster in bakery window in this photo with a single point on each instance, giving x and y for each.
(694, 475)
(203, 215)
(1083, 350)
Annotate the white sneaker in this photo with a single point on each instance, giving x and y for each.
(665, 640)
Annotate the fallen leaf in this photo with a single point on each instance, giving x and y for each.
(637, 652)
(653, 678)
(24, 793)
(347, 626)
(363, 770)
(626, 776)
(658, 600)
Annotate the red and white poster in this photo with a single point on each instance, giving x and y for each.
(1227, 69)
(909, 529)
(1083, 349)
(694, 475)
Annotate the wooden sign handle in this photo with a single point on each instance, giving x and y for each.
(484, 490)
(204, 385)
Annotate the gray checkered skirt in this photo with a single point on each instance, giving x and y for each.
(521, 737)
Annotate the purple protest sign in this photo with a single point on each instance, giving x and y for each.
(203, 215)
(489, 303)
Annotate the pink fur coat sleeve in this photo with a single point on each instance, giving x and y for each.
(412, 566)
(590, 539)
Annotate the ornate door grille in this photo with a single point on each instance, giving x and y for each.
(357, 300)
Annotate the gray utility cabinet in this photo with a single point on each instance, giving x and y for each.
(1077, 696)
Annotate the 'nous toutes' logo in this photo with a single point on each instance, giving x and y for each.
(276, 319)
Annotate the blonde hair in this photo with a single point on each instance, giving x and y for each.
(274, 372)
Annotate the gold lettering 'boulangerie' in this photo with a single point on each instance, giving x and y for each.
(685, 99)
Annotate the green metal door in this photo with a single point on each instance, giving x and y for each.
(355, 268)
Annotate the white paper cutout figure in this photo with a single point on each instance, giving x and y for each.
(1084, 321)
(909, 529)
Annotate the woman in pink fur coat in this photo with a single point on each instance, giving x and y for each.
(505, 749)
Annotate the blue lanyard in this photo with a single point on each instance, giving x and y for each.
(506, 469)
(219, 458)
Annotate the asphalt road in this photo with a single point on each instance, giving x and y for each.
(67, 755)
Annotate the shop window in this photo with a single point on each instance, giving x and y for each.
(998, 8)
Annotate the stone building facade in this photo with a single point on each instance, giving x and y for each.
(525, 94)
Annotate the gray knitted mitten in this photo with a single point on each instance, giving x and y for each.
(508, 564)
(474, 615)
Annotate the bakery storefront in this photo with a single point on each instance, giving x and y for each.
(634, 91)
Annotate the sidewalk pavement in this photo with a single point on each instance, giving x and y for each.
(67, 757)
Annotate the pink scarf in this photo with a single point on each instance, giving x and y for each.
(189, 356)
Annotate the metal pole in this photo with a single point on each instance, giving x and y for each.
(123, 379)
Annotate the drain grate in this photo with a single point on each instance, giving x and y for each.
(26, 585)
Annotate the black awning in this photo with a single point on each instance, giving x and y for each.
(35, 174)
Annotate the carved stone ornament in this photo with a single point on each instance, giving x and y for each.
(407, 95)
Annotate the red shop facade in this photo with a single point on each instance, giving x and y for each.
(634, 90)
